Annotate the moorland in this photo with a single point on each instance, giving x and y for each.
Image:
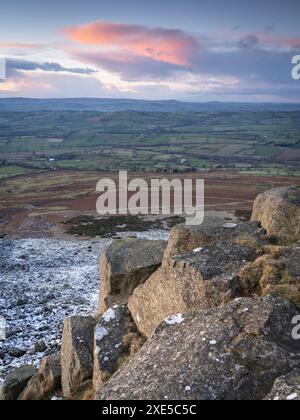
(53, 152)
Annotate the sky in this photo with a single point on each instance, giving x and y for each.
(191, 50)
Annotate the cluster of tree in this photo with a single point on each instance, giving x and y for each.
(3, 162)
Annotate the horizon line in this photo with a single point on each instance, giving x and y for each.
(146, 100)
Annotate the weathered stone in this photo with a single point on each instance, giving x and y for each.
(230, 353)
(46, 381)
(185, 238)
(40, 346)
(277, 273)
(16, 352)
(286, 388)
(116, 341)
(16, 381)
(278, 211)
(203, 279)
(125, 265)
(77, 353)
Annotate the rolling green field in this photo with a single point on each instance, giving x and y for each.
(263, 141)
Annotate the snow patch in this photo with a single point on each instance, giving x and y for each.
(100, 333)
(109, 315)
(230, 225)
(292, 397)
(174, 319)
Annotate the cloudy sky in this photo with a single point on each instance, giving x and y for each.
(194, 50)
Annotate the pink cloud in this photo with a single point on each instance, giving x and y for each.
(170, 46)
(24, 84)
(270, 40)
(18, 45)
(276, 41)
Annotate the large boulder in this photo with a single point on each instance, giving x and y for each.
(16, 382)
(184, 238)
(286, 388)
(278, 211)
(116, 341)
(46, 381)
(205, 278)
(277, 272)
(235, 352)
(77, 353)
(125, 265)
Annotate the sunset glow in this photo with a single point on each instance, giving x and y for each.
(209, 54)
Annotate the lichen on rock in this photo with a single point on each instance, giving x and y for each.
(278, 211)
(234, 352)
(203, 280)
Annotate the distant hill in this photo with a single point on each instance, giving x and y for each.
(114, 105)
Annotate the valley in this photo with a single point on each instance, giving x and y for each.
(259, 143)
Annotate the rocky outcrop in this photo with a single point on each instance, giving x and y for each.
(278, 211)
(210, 317)
(46, 381)
(116, 341)
(205, 278)
(125, 265)
(231, 353)
(77, 353)
(286, 388)
(185, 238)
(277, 272)
(16, 382)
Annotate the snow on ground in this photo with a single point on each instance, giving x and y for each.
(174, 319)
(42, 282)
(155, 234)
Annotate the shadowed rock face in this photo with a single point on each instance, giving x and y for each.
(278, 211)
(46, 381)
(77, 353)
(116, 341)
(231, 353)
(286, 388)
(126, 265)
(15, 382)
(205, 278)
